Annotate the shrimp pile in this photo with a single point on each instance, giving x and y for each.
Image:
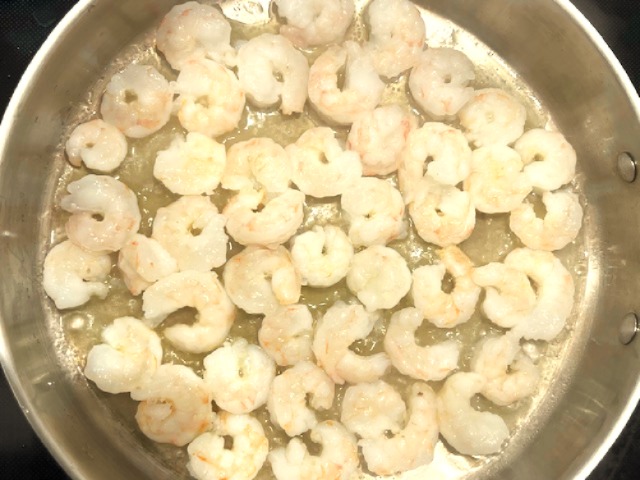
(275, 320)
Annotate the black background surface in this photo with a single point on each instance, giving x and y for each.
(24, 25)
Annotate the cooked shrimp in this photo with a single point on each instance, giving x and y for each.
(412, 446)
(71, 275)
(550, 161)
(396, 36)
(379, 277)
(257, 163)
(138, 101)
(287, 402)
(446, 310)
(431, 362)
(510, 375)
(315, 22)
(286, 335)
(362, 88)
(509, 297)
(439, 82)
(210, 99)
(271, 70)
(175, 405)
(97, 144)
(105, 213)
(442, 214)
(322, 255)
(259, 279)
(375, 211)
(379, 137)
(321, 167)
(144, 261)
(191, 166)
(239, 375)
(492, 117)
(469, 431)
(192, 231)
(338, 460)
(554, 293)
(258, 218)
(370, 410)
(558, 228)
(194, 31)
(128, 357)
(199, 290)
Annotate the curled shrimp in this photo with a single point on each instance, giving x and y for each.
(71, 275)
(128, 357)
(199, 290)
(362, 89)
(97, 144)
(105, 213)
(138, 101)
(175, 405)
(286, 335)
(270, 69)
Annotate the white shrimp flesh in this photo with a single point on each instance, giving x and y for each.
(286, 335)
(97, 144)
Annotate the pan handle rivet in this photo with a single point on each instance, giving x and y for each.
(627, 169)
(628, 328)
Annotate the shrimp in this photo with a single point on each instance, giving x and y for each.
(105, 213)
(287, 402)
(192, 231)
(396, 36)
(375, 211)
(442, 214)
(491, 117)
(209, 458)
(256, 218)
(71, 275)
(315, 22)
(321, 167)
(467, 430)
(510, 375)
(560, 226)
(412, 446)
(138, 101)
(257, 163)
(496, 183)
(259, 280)
(128, 357)
(379, 277)
(271, 70)
(286, 335)
(338, 460)
(362, 89)
(322, 255)
(340, 326)
(550, 161)
(175, 405)
(439, 82)
(446, 310)
(379, 136)
(194, 31)
(239, 375)
(554, 293)
(431, 362)
(191, 166)
(143, 261)
(97, 144)
(210, 99)
(509, 297)
(199, 290)
(448, 151)
(370, 410)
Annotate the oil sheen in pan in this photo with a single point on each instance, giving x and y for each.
(75, 332)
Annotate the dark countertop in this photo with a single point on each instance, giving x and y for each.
(24, 25)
